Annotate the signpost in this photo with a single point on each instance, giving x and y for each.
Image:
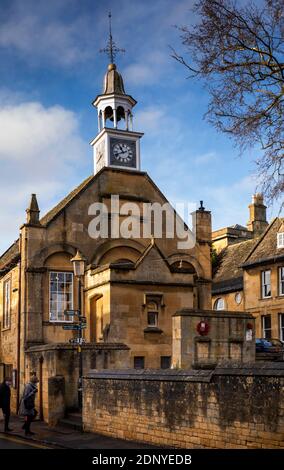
(71, 313)
(75, 326)
(77, 341)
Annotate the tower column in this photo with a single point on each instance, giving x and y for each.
(115, 118)
(103, 119)
(100, 121)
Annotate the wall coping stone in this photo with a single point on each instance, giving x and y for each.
(189, 312)
(152, 374)
(270, 369)
(85, 347)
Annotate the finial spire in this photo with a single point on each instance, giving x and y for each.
(33, 211)
(111, 50)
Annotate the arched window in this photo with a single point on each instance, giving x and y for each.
(108, 114)
(219, 304)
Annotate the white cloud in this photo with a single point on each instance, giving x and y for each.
(208, 157)
(40, 151)
(39, 34)
(150, 119)
(140, 74)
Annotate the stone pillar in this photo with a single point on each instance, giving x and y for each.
(114, 118)
(103, 119)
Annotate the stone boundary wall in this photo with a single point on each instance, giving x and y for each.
(230, 407)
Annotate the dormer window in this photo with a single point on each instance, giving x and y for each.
(219, 304)
(280, 240)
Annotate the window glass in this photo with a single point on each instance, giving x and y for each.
(266, 326)
(153, 306)
(60, 295)
(265, 283)
(166, 362)
(281, 326)
(139, 362)
(219, 304)
(152, 318)
(280, 240)
(281, 280)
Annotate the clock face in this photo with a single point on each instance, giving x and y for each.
(122, 152)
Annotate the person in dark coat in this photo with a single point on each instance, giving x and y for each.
(27, 405)
(5, 400)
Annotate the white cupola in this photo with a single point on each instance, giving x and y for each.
(117, 144)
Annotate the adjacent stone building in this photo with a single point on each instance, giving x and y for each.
(248, 274)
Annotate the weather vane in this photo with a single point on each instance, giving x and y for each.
(111, 50)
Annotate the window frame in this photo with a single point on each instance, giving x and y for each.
(157, 300)
(263, 328)
(280, 240)
(264, 285)
(165, 358)
(65, 320)
(7, 313)
(281, 280)
(137, 358)
(281, 326)
(216, 303)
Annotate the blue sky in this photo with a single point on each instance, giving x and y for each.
(51, 70)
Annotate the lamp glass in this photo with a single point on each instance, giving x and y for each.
(78, 267)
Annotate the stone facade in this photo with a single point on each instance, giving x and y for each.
(238, 275)
(240, 407)
(123, 279)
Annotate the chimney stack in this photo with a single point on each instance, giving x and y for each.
(257, 215)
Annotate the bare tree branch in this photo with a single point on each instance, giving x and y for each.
(239, 51)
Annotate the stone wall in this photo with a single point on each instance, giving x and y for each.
(57, 367)
(225, 336)
(231, 407)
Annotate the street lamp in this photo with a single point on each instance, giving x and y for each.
(79, 270)
(78, 264)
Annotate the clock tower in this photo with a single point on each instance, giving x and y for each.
(117, 144)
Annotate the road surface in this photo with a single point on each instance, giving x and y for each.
(10, 442)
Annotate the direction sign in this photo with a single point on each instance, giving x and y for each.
(72, 327)
(71, 312)
(75, 326)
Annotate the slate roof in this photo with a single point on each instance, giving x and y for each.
(228, 273)
(266, 249)
(13, 253)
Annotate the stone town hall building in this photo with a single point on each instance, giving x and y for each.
(131, 287)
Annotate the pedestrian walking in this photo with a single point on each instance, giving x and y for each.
(27, 405)
(5, 401)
